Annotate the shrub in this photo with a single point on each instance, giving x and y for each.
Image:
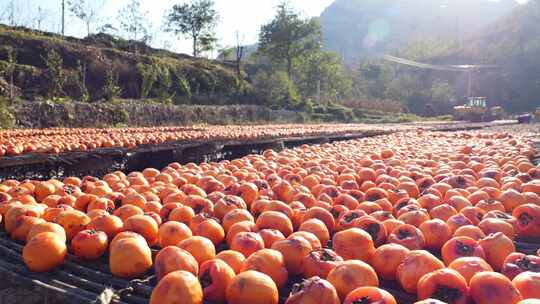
(81, 81)
(7, 119)
(275, 89)
(111, 89)
(55, 73)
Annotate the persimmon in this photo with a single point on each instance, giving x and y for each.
(15, 211)
(129, 257)
(171, 233)
(178, 286)
(89, 244)
(211, 230)
(244, 226)
(443, 212)
(387, 258)
(321, 214)
(511, 199)
(23, 225)
(350, 275)
(408, 236)
(215, 275)
(469, 266)
(269, 262)
(461, 246)
(494, 225)
(313, 291)
(528, 285)
(48, 242)
(308, 236)
(458, 220)
(275, 220)
(46, 227)
(493, 288)
(346, 220)
(528, 220)
(252, 287)
(201, 248)
(145, 226)
(497, 247)
(319, 262)
(443, 284)
(72, 221)
(474, 214)
(353, 243)
(127, 211)
(416, 264)
(172, 258)
(490, 205)
(369, 295)
(318, 228)
(233, 258)
(436, 232)
(270, 236)
(517, 262)
(235, 216)
(375, 228)
(470, 231)
(293, 249)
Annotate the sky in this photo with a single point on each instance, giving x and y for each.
(243, 16)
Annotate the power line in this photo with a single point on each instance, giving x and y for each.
(452, 68)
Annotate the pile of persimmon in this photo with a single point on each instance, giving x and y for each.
(17, 142)
(436, 212)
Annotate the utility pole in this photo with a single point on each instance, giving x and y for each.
(12, 13)
(469, 90)
(63, 16)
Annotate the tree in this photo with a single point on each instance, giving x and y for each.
(86, 10)
(322, 75)
(40, 17)
(288, 37)
(63, 16)
(196, 20)
(239, 54)
(134, 23)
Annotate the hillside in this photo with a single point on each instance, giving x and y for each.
(513, 43)
(141, 72)
(356, 28)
